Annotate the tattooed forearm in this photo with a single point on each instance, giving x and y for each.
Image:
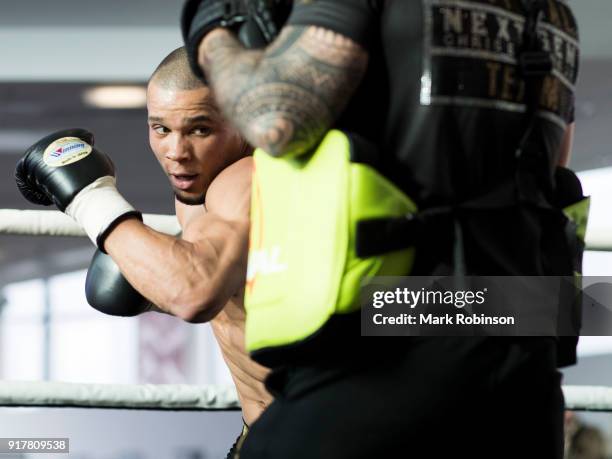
(284, 99)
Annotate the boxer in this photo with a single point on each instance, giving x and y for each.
(199, 277)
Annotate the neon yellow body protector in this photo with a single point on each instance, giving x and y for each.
(302, 262)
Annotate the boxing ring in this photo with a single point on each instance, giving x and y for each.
(112, 421)
(218, 401)
(116, 420)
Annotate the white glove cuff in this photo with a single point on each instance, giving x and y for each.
(97, 207)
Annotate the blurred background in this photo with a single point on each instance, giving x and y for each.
(75, 63)
(80, 63)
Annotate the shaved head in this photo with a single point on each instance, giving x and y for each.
(187, 132)
(175, 73)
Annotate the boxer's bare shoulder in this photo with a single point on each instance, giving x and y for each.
(229, 194)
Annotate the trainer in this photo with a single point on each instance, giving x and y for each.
(471, 103)
(199, 277)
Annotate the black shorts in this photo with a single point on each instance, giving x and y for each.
(439, 397)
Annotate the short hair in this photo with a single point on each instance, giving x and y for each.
(174, 72)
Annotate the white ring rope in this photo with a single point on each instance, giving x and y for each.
(56, 223)
(119, 396)
(588, 398)
(199, 398)
(599, 238)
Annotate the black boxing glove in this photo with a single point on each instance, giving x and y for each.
(64, 169)
(201, 16)
(109, 292)
(265, 20)
(256, 22)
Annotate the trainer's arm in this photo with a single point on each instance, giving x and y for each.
(193, 277)
(283, 99)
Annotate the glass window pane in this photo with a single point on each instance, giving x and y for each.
(88, 346)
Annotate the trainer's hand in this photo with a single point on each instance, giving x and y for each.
(109, 292)
(64, 169)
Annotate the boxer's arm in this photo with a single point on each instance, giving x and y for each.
(283, 99)
(193, 277)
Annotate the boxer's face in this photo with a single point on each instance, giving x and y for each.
(190, 139)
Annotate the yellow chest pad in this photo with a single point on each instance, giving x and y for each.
(302, 262)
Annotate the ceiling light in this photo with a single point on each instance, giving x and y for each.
(116, 97)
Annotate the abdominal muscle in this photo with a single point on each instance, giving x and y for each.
(248, 376)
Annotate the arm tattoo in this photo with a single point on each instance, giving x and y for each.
(284, 99)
